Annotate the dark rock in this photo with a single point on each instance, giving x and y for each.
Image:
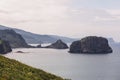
(15, 39)
(4, 47)
(19, 52)
(91, 44)
(59, 44)
(39, 46)
(75, 47)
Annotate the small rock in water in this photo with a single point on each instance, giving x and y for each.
(20, 52)
(39, 46)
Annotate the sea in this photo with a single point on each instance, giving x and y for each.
(71, 66)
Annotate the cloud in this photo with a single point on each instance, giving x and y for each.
(62, 17)
(38, 10)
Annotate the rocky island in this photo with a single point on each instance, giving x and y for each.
(91, 44)
(59, 44)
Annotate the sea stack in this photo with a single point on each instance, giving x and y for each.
(59, 44)
(91, 44)
(4, 47)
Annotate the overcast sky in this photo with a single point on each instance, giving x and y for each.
(72, 18)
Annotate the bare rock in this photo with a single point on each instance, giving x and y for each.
(59, 44)
(91, 44)
(39, 46)
(4, 47)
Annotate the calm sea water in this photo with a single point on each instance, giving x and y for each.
(73, 66)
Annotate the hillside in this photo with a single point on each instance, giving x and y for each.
(15, 39)
(14, 70)
(33, 38)
(37, 38)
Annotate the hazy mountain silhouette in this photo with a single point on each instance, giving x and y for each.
(33, 38)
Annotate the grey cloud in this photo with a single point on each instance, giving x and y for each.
(57, 16)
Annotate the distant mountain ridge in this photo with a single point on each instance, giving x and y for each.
(32, 38)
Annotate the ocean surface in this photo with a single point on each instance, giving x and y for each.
(72, 66)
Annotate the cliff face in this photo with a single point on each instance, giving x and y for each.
(15, 39)
(4, 47)
(91, 44)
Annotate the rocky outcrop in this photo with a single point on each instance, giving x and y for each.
(59, 44)
(91, 44)
(39, 46)
(15, 39)
(19, 52)
(4, 47)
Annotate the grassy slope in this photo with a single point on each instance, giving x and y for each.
(14, 70)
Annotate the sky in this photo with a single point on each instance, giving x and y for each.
(71, 18)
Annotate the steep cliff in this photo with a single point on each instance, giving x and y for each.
(4, 47)
(15, 39)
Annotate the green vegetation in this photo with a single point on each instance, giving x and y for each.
(13, 70)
